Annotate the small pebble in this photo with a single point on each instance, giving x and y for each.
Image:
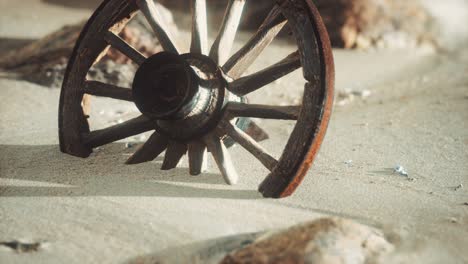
(400, 170)
(349, 162)
(363, 93)
(453, 220)
(129, 145)
(466, 204)
(459, 187)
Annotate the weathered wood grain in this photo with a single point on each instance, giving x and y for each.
(199, 43)
(253, 82)
(118, 43)
(107, 90)
(242, 59)
(222, 158)
(174, 153)
(197, 157)
(152, 148)
(262, 111)
(221, 48)
(149, 10)
(117, 132)
(88, 49)
(249, 144)
(308, 134)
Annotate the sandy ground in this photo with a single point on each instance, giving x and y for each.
(99, 210)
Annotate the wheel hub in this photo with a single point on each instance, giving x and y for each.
(184, 94)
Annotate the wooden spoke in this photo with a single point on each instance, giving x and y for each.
(149, 10)
(253, 82)
(108, 90)
(174, 153)
(197, 157)
(126, 129)
(222, 45)
(263, 111)
(199, 28)
(222, 158)
(152, 148)
(242, 59)
(249, 144)
(121, 45)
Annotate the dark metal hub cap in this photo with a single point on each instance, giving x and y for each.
(164, 87)
(184, 94)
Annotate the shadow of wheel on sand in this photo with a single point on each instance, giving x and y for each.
(42, 170)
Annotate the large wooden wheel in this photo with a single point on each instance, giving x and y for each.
(194, 101)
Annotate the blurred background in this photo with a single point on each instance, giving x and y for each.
(352, 24)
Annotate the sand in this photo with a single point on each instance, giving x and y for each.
(98, 210)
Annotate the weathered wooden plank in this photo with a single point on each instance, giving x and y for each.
(152, 148)
(149, 10)
(107, 90)
(174, 153)
(221, 48)
(117, 132)
(263, 111)
(222, 158)
(199, 42)
(243, 58)
(121, 45)
(253, 82)
(197, 157)
(249, 144)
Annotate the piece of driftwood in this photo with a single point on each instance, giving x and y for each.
(195, 101)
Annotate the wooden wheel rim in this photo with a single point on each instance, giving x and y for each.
(318, 70)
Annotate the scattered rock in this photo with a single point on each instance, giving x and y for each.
(129, 145)
(328, 240)
(347, 96)
(357, 24)
(459, 187)
(21, 247)
(402, 171)
(362, 93)
(344, 98)
(375, 23)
